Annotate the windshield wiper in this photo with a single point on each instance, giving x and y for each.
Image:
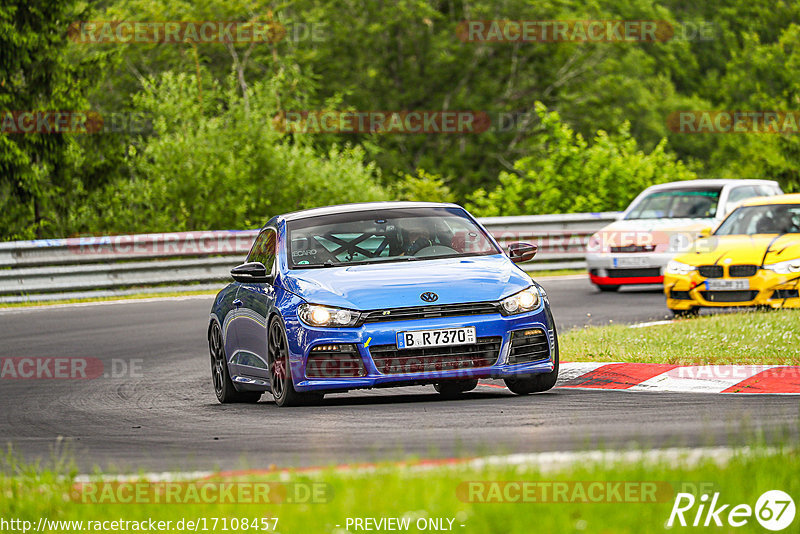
(328, 263)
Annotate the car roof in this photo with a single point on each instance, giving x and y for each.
(715, 182)
(363, 206)
(793, 198)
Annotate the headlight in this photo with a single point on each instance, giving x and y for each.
(676, 267)
(316, 315)
(785, 267)
(521, 302)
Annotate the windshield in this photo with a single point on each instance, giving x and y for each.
(689, 203)
(773, 219)
(384, 235)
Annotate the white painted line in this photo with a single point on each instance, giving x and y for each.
(9, 311)
(540, 461)
(651, 323)
(557, 277)
(554, 461)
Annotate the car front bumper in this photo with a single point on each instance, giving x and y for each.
(302, 339)
(766, 288)
(616, 269)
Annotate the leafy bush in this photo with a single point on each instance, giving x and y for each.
(217, 160)
(567, 174)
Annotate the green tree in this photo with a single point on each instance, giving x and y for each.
(39, 180)
(214, 162)
(567, 174)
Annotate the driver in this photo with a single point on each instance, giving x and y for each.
(418, 237)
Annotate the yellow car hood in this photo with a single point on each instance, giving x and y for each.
(743, 249)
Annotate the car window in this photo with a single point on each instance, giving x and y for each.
(770, 219)
(385, 235)
(264, 248)
(738, 194)
(689, 203)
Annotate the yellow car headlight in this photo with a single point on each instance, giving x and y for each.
(676, 267)
(784, 267)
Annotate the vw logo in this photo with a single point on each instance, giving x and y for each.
(429, 296)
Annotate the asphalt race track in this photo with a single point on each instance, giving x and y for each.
(166, 417)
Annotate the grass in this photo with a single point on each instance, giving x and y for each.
(135, 296)
(756, 337)
(450, 492)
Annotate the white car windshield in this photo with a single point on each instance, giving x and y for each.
(689, 203)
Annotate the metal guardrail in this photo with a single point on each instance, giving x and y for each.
(54, 269)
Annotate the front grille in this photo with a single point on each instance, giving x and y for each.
(634, 248)
(528, 346)
(427, 312)
(710, 271)
(334, 361)
(741, 271)
(785, 294)
(729, 296)
(636, 273)
(680, 295)
(391, 361)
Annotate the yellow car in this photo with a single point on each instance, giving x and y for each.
(751, 259)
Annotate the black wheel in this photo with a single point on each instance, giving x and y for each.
(280, 372)
(607, 289)
(691, 312)
(454, 388)
(220, 375)
(536, 383)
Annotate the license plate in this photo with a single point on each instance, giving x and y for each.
(436, 338)
(717, 285)
(631, 262)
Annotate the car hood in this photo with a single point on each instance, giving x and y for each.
(743, 249)
(394, 285)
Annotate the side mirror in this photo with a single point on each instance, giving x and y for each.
(705, 232)
(253, 272)
(521, 252)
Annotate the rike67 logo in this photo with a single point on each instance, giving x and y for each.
(774, 510)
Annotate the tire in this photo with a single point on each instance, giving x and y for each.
(607, 289)
(536, 383)
(220, 374)
(691, 312)
(280, 371)
(453, 388)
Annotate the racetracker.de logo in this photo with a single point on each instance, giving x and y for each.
(175, 32)
(734, 122)
(543, 491)
(68, 368)
(382, 122)
(201, 492)
(575, 31)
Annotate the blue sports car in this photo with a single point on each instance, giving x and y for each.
(379, 295)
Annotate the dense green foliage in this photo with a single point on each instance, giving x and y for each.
(567, 174)
(589, 124)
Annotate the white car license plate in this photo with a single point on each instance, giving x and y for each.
(636, 261)
(436, 338)
(722, 285)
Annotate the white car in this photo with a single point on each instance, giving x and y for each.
(659, 224)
